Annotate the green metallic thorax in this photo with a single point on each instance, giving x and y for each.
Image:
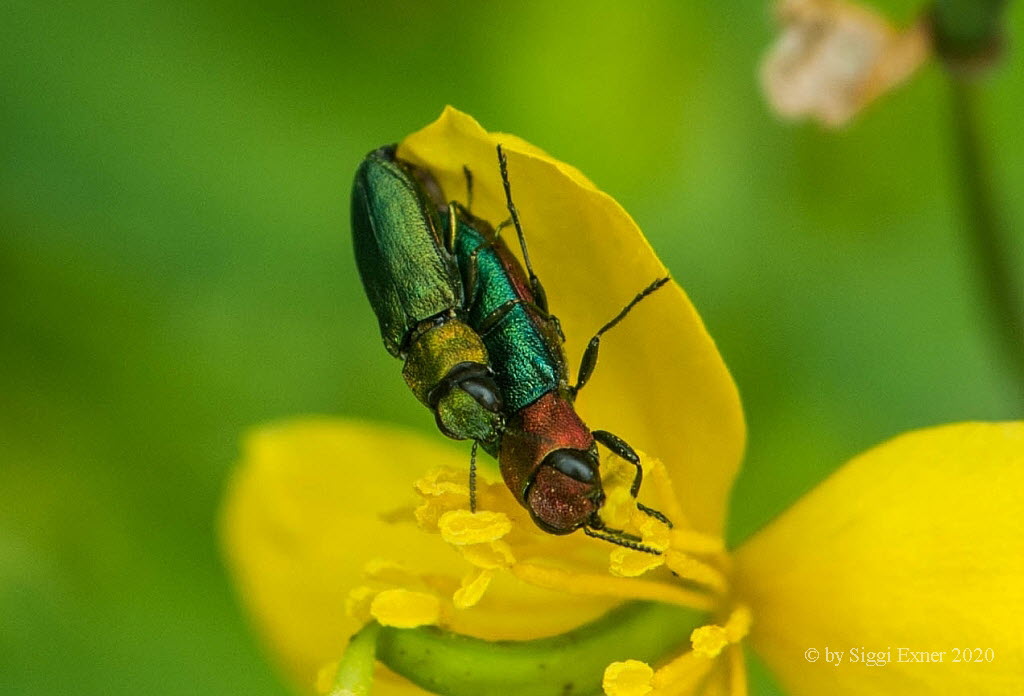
(525, 352)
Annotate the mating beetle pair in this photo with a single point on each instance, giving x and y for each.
(481, 348)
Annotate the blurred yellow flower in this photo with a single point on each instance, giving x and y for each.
(918, 543)
(833, 58)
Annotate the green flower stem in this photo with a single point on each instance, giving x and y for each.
(569, 664)
(355, 670)
(1005, 295)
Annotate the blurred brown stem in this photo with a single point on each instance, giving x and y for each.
(1004, 295)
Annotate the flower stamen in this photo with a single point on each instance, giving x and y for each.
(737, 672)
(689, 568)
(592, 584)
(657, 473)
(462, 527)
(628, 678)
(710, 640)
(472, 589)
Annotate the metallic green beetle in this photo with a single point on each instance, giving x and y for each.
(403, 235)
(547, 454)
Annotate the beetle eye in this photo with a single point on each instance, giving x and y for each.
(484, 390)
(574, 464)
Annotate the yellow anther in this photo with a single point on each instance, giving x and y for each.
(389, 572)
(357, 603)
(443, 480)
(629, 678)
(430, 512)
(473, 587)
(325, 677)
(654, 533)
(616, 511)
(461, 527)
(618, 504)
(628, 563)
(689, 568)
(405, 609)
(490, 556)
(710, 640)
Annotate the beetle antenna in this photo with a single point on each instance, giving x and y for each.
(620, 538)
(538, 290)
(651, 512)
(472, 477)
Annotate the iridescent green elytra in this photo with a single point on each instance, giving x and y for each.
(526, 352)
(402, 232)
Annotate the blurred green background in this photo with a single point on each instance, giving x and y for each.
(175, 267)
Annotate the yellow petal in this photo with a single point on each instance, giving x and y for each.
(302, 519)
(917, 544)
(660, 383)
(310, 516)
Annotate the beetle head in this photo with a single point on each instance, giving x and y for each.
(565, 492)
(471, 409)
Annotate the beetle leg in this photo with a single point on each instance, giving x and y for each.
(469, 186)
(502, 225)
(491, 320)
(453, 226)
(498, 314)
(471, 272)
(621, 448)
(589, 361)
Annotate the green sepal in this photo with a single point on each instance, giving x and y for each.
(570, 664)
(355, 669)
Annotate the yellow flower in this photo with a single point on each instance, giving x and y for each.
(833, 58)
(917, 544)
